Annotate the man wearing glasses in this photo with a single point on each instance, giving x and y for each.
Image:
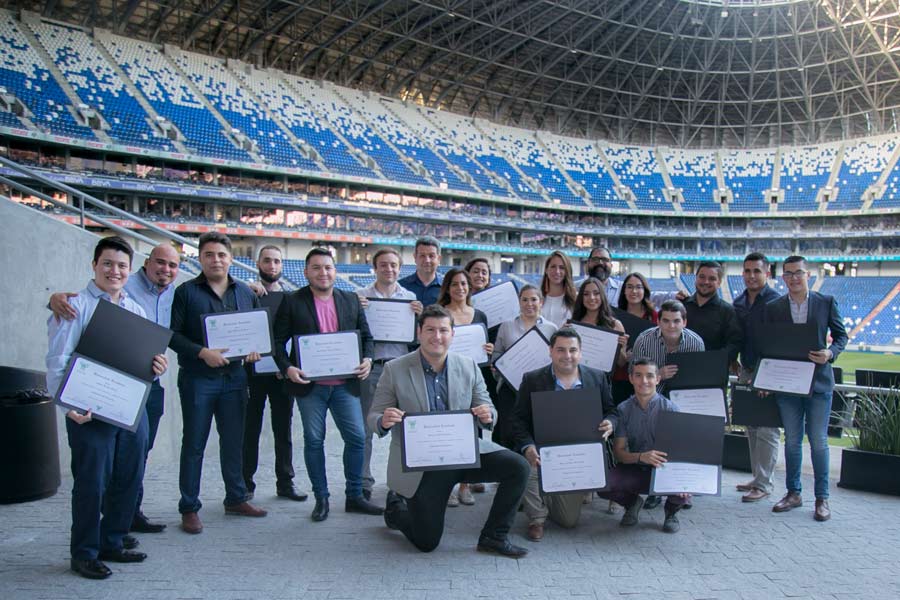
(599, 265)
(800, 305)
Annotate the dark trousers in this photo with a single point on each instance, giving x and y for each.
(107, 468)
(505, 405)
(627, 482)
(282, 407)
(223, 397)
(155, 409)
(422, 519)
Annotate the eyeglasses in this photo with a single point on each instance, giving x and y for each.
(794, 274)
(634, 288)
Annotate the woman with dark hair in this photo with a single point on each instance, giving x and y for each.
(479, 270)
(558, 288)
(634, 299)
(592, 308)
(456, 295)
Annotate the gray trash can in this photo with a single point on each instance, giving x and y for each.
(28, 438)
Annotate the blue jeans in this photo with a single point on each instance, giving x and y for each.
(107, 468)
(224, 397)
(799, 413)
(347, 415)
(155, 410)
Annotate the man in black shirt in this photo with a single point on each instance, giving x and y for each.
(713, 319)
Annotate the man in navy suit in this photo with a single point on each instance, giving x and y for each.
(800, 305)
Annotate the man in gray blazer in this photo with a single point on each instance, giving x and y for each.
(432, 379)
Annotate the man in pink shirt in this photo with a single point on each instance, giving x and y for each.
(319, 308)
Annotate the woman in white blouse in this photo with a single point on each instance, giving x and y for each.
(558, 289)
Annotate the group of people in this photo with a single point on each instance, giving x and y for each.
(395, 378)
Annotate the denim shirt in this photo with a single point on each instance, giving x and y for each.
(157, 304)
(196, 298)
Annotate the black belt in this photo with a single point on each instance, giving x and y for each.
(381, 361)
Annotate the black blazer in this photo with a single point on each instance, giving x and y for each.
(823, 311)
(297, 316)
(542, 380)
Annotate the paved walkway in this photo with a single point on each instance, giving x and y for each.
(725, 549)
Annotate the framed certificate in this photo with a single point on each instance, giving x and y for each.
(328, 355)
(572, 468)
(470, 340)
(793, 377)
(439, 441)
(112, 396)
(391, 320)
(693, 444)
(686, 478)
(499, 303)
(529, 352)
(239, 332)
(703, 401)
(266, 365)
(599, 346)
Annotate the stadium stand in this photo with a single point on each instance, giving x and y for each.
(857, 296)
(884, 328)
(862, 165)
(694, 173)
(804, 171)
(891, 197)
(637, 169)
(748, 174)
(583, 163)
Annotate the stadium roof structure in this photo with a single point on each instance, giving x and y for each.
(693, 73)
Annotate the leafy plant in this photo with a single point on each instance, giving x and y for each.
(877, 418)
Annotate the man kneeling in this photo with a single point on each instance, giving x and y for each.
(633, 447)
(433, 379)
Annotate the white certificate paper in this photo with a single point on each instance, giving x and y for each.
(266, 365)
(391, 320)
(686, 478)
(470, 340)
(328, 355)
(572, 468)
(111, 395)
(530, 352)
(707, 401)
(599, 347)
(439, 440)
(240, 332)
(785, 376)
(499, 303)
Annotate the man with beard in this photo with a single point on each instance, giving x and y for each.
(713, 319)
(270, 386)
(599, 265)
(153, 289)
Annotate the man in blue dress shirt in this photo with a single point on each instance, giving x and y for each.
(425, 283)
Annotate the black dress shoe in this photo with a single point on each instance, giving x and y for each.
(90, 568)
(502, 547)
(361, 505)
(129, 542)
(320, 512)
(122, 556)
(367, 494)
(291, 493)
(141, 524)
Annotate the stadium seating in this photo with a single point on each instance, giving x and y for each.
(857, 296)
(99, 86)
(891, 197)
(637, 169)
(805, 171)
(863, 163)
(748, 174)
(884, 329)
(583, 163)
(694, 173)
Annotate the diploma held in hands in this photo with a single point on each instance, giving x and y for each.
(391, 320)
(499, 303)
(241, 332)
(328, 355)
(599, 346)
(470, 340)
(529, 352)
(112, 396)
(693, 445)
(435, 441)
(785, 376)
(572, 468)
(686, 478)
(706, 401)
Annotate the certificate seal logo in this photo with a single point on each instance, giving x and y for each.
(411, 424)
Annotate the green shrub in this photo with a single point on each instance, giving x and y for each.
(877, 417)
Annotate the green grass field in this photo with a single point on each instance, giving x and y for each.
(850, 361)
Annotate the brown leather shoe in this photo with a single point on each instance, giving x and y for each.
(535, 532)
(744, 487)
(754, 495)
(245, 509)
(190, 523)
(790, 501)
(823, 512)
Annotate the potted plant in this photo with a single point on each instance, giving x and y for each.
(873, 463)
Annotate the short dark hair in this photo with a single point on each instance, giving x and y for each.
(712, 264)
(113, 242)
(642, 361)
(318, 252)
(673, 306)
(529, 287)
(757, 256)
(214, 237)
(794, 259)
(427, 240)
(434, 311)
(565, 332)
(596, 248)
(268, 247)
(382, 251)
